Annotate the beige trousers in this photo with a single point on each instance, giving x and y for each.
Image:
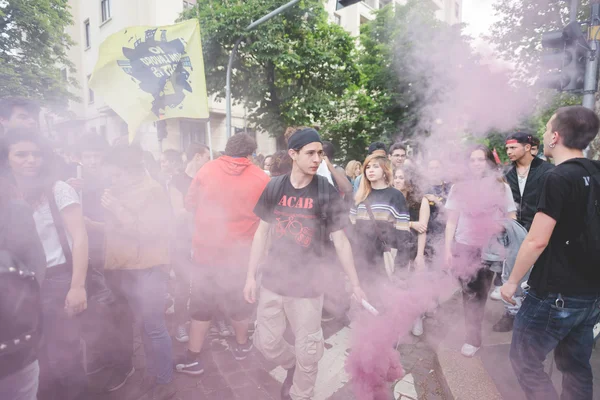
(304, 316)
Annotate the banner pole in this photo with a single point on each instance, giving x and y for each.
(209, 136)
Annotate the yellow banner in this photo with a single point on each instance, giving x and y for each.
(147, 74)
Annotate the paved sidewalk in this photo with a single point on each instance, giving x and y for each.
(256, 379)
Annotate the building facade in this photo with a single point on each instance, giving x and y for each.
(351, 14)
(94, 21)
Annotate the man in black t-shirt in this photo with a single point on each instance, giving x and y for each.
(562, 306)
(292, 286)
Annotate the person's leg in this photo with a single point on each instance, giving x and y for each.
(475, 295)
(531, 343)
(270, 326)
(573, 352)
(147, 300)
(121, 320)
(62, 341)
(305, 320)
(22, 385)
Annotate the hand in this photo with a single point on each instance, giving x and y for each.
(358, 294)
(250, 290)
(449, 258)
(432, 198)
(418, 226)
(76, 301)
(76, 183)
(507, 291)
(111, 203)
(419, 262)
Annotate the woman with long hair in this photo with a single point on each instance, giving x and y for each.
(353, 170)
(474, 207)
(380, 218)
(60, 225)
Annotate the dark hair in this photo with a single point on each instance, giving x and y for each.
(129, 157)
(577, 126)
(329, 150)
(240, 145)
(8, 104)
(264, 161)
(535, 141)
(195, 148)
(397, 146)
(48, 174)
(173, 156)
(92, 142)
(282, 163)
(377, 146)
(412, 178)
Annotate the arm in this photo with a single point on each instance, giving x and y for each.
(424, 215)
(72, 216)
(512, 215)
(450, 232)
(177, 204)
(533, 246)
(191, 199)
(344, 252)
(257, 251)
(340, 178)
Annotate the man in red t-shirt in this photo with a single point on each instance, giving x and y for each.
(223, 196)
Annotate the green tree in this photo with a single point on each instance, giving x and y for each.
(33, 49)
(288, 71)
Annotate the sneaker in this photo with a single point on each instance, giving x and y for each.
(469, 350)
(189, 367)
(119, 378)
(224, 329)
(287, 384)
(505, 324)
(241, 351)
(181, 335)
(417, 329)
(495, 295)
(327, 316)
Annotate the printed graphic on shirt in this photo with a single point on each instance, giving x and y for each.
(292, 227)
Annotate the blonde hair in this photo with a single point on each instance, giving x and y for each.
(351, 169)
(365, 185)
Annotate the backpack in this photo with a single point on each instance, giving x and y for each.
(20, 314)
(585, 248)
(275, 191)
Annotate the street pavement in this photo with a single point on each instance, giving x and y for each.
(257, 379)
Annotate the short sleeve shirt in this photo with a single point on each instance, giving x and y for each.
(293, 265)
(564, 197)
(480, 204)
(64, 195)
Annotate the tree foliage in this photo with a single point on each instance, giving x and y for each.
(33, 49)
(287, 70)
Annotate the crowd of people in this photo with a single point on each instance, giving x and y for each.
(254, 246)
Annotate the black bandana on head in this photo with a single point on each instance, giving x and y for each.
(303, 137)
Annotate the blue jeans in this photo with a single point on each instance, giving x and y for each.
(22, 385)
(544, 324)
(140, 296)
(62, 374)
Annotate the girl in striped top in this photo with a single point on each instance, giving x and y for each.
(391, 219)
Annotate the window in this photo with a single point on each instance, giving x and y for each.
(64, 74)
(457, 10)
(186, 5)
(103, 131)
(88, 40)
(105, 5)
(90, 91)
(337, 19)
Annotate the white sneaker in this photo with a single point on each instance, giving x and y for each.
(495, 295)
(182, 335)
(417, 329)
(468, 350)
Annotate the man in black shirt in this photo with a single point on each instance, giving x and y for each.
(562, 306)
(525, 179)
(292, 283)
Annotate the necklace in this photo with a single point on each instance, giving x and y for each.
(524, 174)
